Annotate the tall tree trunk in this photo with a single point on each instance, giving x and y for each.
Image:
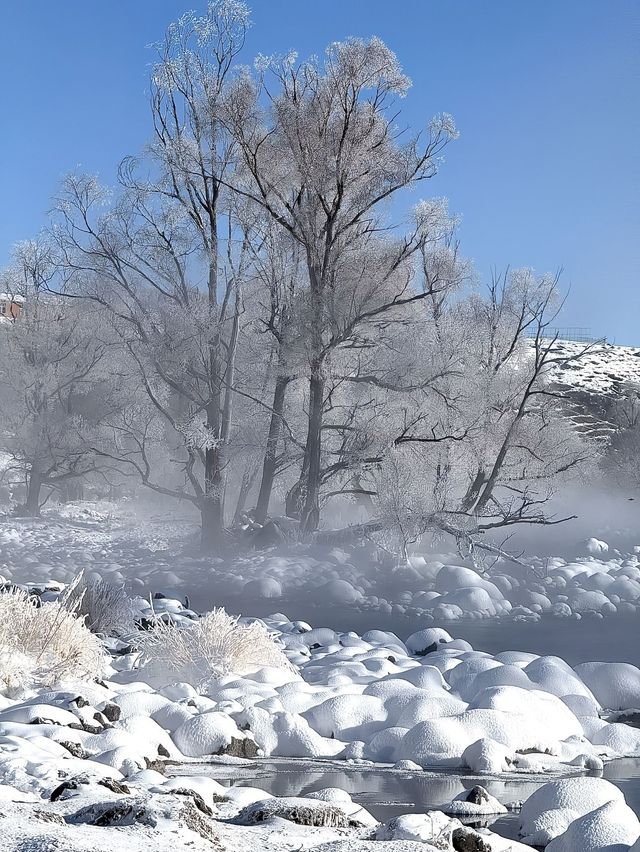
(248, 478)
(309, 483)
(271, 450)
(34, 485)
(212, 511)
(310, 516)
(294, 501)
(212, 530)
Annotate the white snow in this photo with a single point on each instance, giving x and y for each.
(121, 545)
(426, 701)
(553, 807)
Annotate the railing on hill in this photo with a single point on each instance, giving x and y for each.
(575, 334)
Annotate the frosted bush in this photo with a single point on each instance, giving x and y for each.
(209, 648)
(40, 646)
(106, 607)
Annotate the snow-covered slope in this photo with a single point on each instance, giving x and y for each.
(596, 382)
(604, 369)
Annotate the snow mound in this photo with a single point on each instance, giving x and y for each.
(476, 801)
(549, 811)
(433, 827)
(612, 827)
(615, 685)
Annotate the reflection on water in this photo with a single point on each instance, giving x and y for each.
(386, 792)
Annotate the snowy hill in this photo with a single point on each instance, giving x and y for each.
(605, 370)
(597, 383)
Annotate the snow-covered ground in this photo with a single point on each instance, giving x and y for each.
(153, 552)
(602, 370)
(413, 703)
(430, 701)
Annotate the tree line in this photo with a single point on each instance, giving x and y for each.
(255, 320)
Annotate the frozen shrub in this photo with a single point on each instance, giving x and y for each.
(40, 646)
(106, 607)
(212, 646)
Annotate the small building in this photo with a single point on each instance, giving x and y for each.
(10, 306)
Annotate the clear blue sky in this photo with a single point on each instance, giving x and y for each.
(546, 94)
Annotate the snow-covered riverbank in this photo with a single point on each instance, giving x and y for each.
(430, 701)
(153, 552)
(414, 701)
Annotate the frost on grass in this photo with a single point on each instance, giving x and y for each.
(215, 645)
(40, 646)
(106, 607)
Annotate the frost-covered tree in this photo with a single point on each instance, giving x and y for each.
(491, 442)
(283, 338)
(57, 389)
(321, 155)
(155, 257)
(621, 420)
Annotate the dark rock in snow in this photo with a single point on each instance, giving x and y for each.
(197, 799)
(299, 810)
(76, 750)
(195, 821)
(83, 780)
(477, 795)
(114, 785)
(102, 720)
(467, 840)
(111, 712)
(628, 717)
(240, 748)
(47, 816)
(120, 812)
(429, 650)
(68, 784)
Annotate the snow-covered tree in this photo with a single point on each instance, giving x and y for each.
(57, 390)
(321, 155)
(282, 336)
(491, 441)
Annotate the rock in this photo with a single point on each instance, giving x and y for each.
(197, 799)
(631, 718)
(101, 719)
(83, 780)
(68, 784)
(194, 820)
(240, 748)
(270, 535)
(75, 749)
(213, 733)
(426, 641)
(114, 785)
(120, 812)
(299, 810)
(47, 816)
(477, 795)
(467, 840)
(433, 828)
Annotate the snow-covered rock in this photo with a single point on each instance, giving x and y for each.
(549, 811)
(613, 827)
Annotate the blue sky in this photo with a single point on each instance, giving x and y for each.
(546, 95)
